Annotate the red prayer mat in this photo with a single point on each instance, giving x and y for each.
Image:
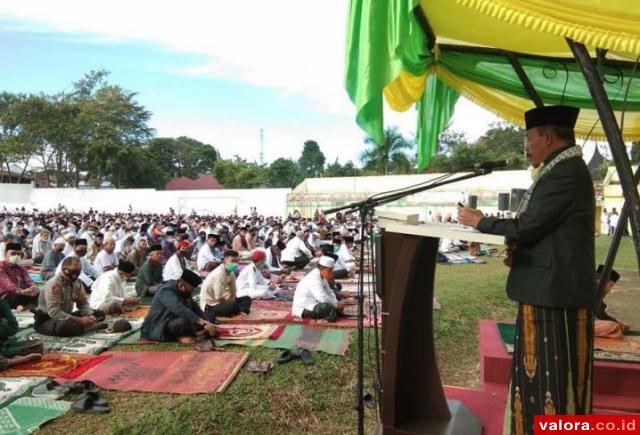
(167, 372)
(262, 311)
(56, 364)
(139, 312)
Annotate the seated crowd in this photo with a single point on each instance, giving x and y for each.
(86, 260)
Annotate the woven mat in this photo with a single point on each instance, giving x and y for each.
(167, 372)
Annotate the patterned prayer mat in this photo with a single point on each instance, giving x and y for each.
(12, 388)
(89, 344)
(139, 312)
(27, 414)
(229, 332)
(24, 318)
(605, 349)
(331, 341)
(247, 332)
(167, 372)
(54, 364)
(269, 311)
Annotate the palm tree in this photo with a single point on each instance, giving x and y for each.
(390, 156)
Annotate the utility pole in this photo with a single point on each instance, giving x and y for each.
(261, 147)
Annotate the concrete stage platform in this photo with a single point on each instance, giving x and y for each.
(616, 385)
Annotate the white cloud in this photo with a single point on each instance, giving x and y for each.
(294, 46)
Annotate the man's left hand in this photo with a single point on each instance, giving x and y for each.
(469, 216)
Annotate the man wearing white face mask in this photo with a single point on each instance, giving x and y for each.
(16, 286)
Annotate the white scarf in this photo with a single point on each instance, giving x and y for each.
(539, 173)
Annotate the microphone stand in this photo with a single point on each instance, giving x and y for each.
(366, 209)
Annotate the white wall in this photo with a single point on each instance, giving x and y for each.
(270, 202)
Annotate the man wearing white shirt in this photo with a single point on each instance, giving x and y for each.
(273, 258)
(177, 263)
(296, 254)
(251, 282)
(70, 239)
(106, 259)
(345, 254)
(108, 293)
(207, 259)
(313, 297)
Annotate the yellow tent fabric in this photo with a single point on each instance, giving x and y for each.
(535, 27)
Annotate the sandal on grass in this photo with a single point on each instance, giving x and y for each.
(259, 366)
(50, 390)
(305, 356)
(90, 403)
(287, 356)
(85, 386)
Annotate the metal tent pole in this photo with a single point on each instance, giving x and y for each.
(615, 243)
(614, 137)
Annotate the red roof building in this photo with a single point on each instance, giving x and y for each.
(206, 181)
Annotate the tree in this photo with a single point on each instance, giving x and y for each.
(390, 157)
(182, 156)
(311, 162)
(505, 141)
(239, 174)
(335, 169)
(283, 173)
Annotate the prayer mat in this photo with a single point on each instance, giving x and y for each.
(331, 341)
(167, 372)
(89, 344)
(247, 332)
(12, 388)
(24, 318)
(139, 312)
(26, 414)
(228, 332)
(605, 349)
(54, 364)
(262, 311)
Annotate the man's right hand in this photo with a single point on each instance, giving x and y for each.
(88, 320)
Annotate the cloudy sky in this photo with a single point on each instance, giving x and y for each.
(217, 71)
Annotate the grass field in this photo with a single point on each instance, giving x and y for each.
(318, 399)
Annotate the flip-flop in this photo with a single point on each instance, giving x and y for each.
(259, 366)
(204, 346)
(287, 356)
(91, 403)
(50, 390)
(305, 356)
(85, 386)
(369, 401)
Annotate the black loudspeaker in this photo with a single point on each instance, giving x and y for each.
(473, 201)
(503, 201)
(516, 197)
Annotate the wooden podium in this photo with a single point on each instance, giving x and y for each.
(412, 398)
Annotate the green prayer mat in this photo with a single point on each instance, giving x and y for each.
(331, 341)
(26, 414)
(12, 388)
(508, 335)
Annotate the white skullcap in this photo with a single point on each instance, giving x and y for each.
(327, 262)
(60, 241)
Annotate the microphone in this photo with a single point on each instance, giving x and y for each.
(490, 165)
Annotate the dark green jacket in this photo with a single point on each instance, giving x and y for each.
(8, 322)
(149, 275)
(169, 304)
(553, 265)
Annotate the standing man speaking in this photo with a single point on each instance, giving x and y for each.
(551, 255)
